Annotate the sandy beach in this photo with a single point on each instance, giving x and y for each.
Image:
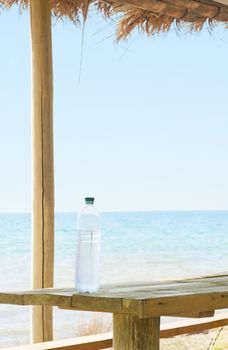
(202, 341)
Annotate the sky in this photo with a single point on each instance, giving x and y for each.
(145, 129)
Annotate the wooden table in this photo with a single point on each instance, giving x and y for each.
(136, 307)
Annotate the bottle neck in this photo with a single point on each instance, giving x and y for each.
(89, 205)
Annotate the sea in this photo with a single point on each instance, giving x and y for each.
(136, 246)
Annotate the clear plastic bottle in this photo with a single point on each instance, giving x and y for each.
(88, 249)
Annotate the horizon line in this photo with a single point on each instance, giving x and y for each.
(126, 211)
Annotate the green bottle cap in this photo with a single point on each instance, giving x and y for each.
(89, 200)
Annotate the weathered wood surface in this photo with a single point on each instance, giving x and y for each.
(42, 160)
(131, 332)
(180, 9)
(105, 341)
(170, 298)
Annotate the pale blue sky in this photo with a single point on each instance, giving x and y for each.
(147, 128)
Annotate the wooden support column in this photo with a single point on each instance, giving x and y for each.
(134, 333)
(42, 164)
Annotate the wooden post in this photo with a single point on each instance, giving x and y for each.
(43, 167)
(134, 333)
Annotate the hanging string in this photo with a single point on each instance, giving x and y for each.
(85, 10)
(81, 53)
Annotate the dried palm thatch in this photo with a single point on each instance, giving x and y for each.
(149, 16)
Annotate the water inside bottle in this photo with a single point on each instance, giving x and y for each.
(88, 250)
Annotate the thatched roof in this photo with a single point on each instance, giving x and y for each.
(150, 16)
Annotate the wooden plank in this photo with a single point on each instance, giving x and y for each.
(221, 278)
(181, 298)
(131, 333)
(47, 299)
(109, 296)
(97, 303)
(42, 163)
(92, 342)
(153, 292)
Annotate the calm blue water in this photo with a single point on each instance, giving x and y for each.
(155, 245)
(135, 246)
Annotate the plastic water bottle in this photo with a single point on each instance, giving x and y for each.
(88, 250)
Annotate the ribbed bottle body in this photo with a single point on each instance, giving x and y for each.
(88, 250)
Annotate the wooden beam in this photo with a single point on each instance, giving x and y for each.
(156, 6)
(131, 333)
(42, 163)
(196, 7)
(222, 8)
